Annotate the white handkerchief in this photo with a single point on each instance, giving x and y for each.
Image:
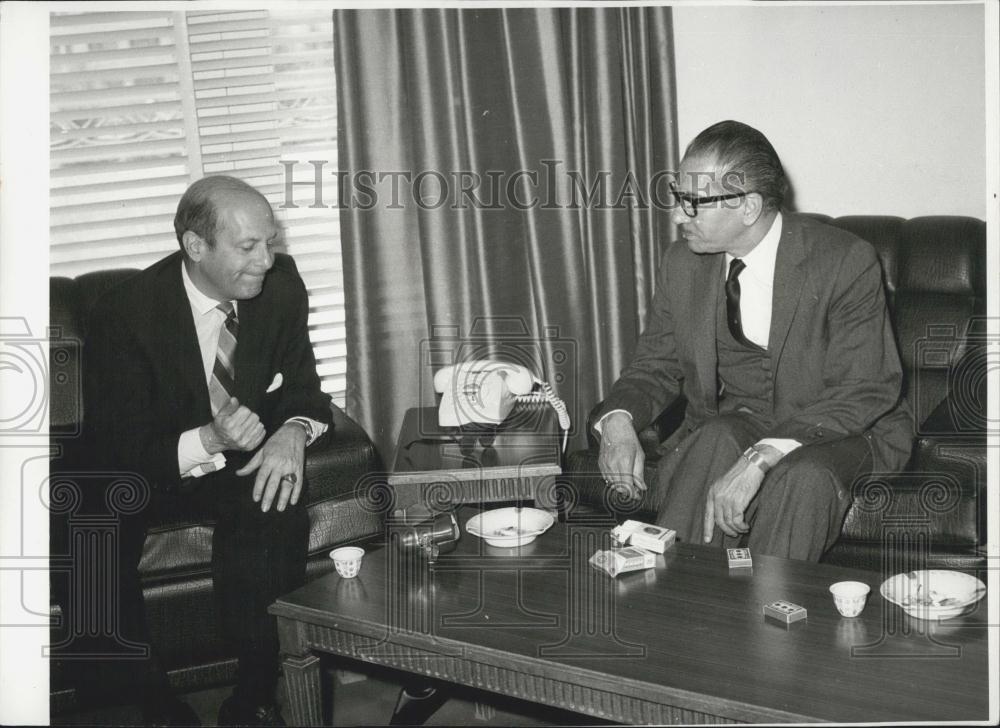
(275, 384)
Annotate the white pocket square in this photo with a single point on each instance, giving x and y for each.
(275, 384)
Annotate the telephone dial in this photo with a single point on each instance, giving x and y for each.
(484, 392)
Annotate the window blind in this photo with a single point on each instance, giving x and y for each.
(144, 103)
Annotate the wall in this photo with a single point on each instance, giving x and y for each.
(873, 109)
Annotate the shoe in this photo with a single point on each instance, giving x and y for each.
(168, 711)
(417, 703)
(234, 711)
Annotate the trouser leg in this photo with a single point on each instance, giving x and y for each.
(116, 619)
(256, 557)
(685, 475)
(799, 510)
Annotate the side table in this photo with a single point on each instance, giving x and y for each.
(443, 467)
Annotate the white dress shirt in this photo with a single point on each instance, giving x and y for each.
(756, 303)
(192, 458)
(757, 285)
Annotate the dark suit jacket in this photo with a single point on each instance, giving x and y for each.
(835, 363)
(145, 383)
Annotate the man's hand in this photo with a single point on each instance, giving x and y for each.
(621, 459)
(728, 498)
(282, 454)
(234, 428)
(730, 495)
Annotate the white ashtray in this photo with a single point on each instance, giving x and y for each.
(934, 593)
(507, 527)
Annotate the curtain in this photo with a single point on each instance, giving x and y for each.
(501, 185)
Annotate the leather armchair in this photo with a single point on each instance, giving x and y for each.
(175, 564)
(933, 513)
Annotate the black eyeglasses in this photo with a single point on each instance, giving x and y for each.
(689, 203)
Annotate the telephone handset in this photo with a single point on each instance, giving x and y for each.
(486, 391)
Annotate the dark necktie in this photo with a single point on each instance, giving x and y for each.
(222, 385)
(733, 316)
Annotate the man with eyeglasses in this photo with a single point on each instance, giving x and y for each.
(774, 326)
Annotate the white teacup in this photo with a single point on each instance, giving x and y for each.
(850, 597)
(347, 560)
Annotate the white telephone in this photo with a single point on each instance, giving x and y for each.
(486, 391)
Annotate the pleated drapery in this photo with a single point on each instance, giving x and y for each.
(502, 189)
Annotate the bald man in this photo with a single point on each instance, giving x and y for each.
(201, 379)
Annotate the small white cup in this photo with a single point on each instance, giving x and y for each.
(347, 559)
(850, 597)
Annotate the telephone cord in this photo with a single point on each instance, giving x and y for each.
(547, 395)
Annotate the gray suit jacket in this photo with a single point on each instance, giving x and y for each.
(835, 363)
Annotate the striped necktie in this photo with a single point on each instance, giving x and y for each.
(222, 385)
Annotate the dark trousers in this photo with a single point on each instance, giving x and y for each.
(256, 557)
(801, 504)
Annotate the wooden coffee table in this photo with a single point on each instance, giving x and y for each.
(684, 642)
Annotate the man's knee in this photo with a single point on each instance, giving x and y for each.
(834, 465)
(732, 427)
(798, 467)
(803, 479)
(247, 522)
(799, 510)
(290, 520)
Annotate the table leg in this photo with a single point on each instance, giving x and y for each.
(304, 689)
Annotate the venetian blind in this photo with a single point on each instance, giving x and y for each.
(144, 103)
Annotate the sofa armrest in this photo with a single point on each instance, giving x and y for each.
(955, 421)
(962, 412)
(336, 464)
(940, 506)
(940, 495)
(955, 426)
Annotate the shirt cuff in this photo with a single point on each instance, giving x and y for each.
(599, 425)
(314, 429)
(193, 460)
(781, 444)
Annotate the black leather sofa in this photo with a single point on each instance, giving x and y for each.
(175, 565)
(933, 513)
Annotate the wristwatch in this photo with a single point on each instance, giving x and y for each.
(754, 457)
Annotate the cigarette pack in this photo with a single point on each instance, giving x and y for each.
(620, 561)
(739, 558)
(645, 536)
(784, 612)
